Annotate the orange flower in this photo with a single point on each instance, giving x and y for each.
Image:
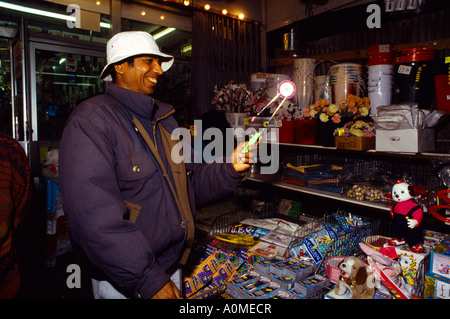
(306, 112)
(351, 103)
(366, 102)
(336, 118)
(353, 109)
(323, 102)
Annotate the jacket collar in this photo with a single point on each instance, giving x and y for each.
(144, 106)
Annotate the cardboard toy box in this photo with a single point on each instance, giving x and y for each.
(409, 140)
(409, 262)
(440, 260)
(434, 288)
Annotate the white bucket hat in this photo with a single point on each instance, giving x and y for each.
(126, 44)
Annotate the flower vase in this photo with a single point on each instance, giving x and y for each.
(286, 131)
(305, 131)
(325, 131)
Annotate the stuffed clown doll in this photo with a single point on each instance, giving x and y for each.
(406, 218)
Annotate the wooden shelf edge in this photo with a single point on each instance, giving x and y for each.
(440, 44)
(426, 155)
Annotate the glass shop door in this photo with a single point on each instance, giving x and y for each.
(61, 76)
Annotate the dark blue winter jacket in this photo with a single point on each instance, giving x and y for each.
(118, 199)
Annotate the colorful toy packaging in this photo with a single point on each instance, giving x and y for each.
(311, 285)
(435, 288)
(440, 260)
(316, 244)
(216, 268)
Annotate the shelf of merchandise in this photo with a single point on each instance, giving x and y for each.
(276, 180)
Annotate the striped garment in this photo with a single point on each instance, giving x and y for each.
(15, 193)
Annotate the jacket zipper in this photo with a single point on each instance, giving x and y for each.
(156, 123)
(154, 134)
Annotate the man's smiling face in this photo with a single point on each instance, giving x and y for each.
(141, 76)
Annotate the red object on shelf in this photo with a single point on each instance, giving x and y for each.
(305, 131)
(413, 55)
(286, 131)
(442, 86)
(442, 196)
(379, 54)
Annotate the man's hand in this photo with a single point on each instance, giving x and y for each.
(169, 291)
(242, 161)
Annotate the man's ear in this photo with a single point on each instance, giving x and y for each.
(119, 68)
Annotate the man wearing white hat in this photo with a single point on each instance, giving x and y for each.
(129, 205)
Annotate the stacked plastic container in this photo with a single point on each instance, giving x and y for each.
(303, 78)
(345, 79)
(380, 76)
(322, 88)
(413, 76)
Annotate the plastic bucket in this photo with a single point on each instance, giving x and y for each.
(413, 76)
(322, 88)
(379, 85)
(379, 54)
(345, 79)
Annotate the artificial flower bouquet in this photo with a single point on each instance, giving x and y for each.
(357, 128)
(353, 107)
(234, 97)
(355, 135)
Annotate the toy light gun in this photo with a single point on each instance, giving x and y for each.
(286, 90)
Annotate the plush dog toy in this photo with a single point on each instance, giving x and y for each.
(406, 218)
(356, 277)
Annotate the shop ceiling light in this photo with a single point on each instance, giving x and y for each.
(163, 33)
(186, 48)
(60, 16)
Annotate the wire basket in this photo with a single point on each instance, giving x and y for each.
(224, 223)
(376, 241)
(346, 244)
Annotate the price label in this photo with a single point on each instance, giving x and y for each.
(404, 69)
(384, 48)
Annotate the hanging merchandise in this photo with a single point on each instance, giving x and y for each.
(380, 76)
(303, 77)
(413, 76)
(345, 79)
